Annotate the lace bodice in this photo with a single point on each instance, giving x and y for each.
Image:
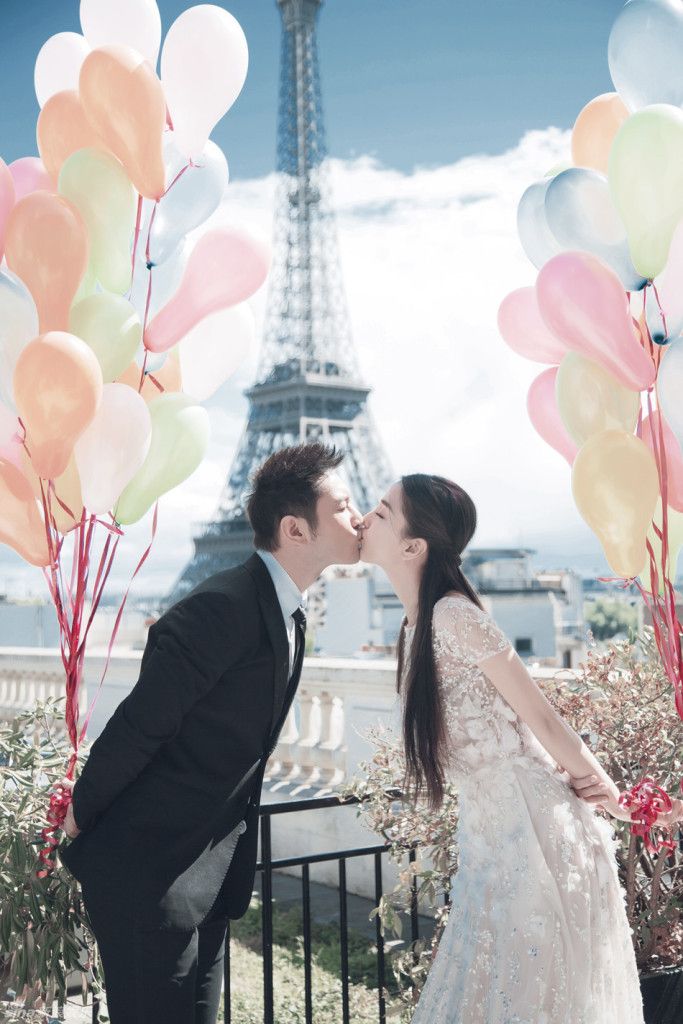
(483, 729)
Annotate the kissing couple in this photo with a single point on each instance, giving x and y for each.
(163, 821)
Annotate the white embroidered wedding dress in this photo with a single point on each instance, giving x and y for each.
(537, 932)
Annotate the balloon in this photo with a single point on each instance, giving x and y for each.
(111, 327)
(591, 400)
(672, 454)
(537, 239)
(113, 446)
(645, 52)
(165, 279)
(583, 302)
(192, 199)
(225, 267)
(124, 102)
(18, 326)
(168, 376)
(58, 64)
(29, 175)
(67, 490)
(135, 23)
(670, 294)
(545, 418)
(97, 185)
(203, 67)
(7, 200)
(674, 542)
(670, 387)
(646, 181)
(615, 487)
(11, 446)
(581, 214)
(63, 127)
(47, 246)
(522, 327)
(21, 525)
(58, 387)
(595, 129)
(213, 350)
(180, 437)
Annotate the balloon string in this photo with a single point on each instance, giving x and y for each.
(661, 311)
(138, 220)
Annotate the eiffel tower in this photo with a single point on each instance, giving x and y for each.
(308, 385)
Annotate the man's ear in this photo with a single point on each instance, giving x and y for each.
(293, 529)
(414, 548)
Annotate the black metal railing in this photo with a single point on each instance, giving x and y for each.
(267, 865)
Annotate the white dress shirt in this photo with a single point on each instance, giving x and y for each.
(288, 594)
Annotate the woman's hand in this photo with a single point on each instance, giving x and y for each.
(602, 793)
(668, 818)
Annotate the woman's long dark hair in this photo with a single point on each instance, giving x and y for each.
(444, 515)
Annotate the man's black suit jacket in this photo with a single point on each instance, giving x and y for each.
(180, 762)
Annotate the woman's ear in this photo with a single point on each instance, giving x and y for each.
(414, 548)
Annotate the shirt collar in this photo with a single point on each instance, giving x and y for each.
(288, 594)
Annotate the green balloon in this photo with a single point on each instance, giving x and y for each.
(111, 327)
(180, 437)
(96, 183)
(646, 180)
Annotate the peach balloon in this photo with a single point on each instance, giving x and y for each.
(595, 129)
(21, 525)
(616, 486)
(125, 104)
(225, 267)
(58, 387)
(63, 127)
(522, 327)
(67, 489)
(47, 246)
(545, 417)
(7, 200)
(673, 455)
(168, 376)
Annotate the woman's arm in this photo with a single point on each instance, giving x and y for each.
(511, 678)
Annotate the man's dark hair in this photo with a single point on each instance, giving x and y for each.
(287, 484)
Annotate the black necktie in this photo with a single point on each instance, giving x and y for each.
(299, 617)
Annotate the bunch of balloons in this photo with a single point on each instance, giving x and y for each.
(606, 312)
(113, 328)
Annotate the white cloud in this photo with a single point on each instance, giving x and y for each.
(426, 258)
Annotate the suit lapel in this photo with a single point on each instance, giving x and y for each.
(272, 616)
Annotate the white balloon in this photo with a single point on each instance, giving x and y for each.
(212, 351)
(58, 64)
(135, 23)
(670, 387)
(203, 67)
(113, 446)
(18, 326)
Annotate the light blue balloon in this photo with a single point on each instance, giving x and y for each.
(674, 326)
(645, 53)
(18, 326)
(581, 215)
(190, 201)
(537, 239)
(165, 280)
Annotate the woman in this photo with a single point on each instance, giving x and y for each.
(537, 932)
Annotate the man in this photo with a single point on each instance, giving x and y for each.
(164, 816)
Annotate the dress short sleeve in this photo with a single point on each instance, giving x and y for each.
(477, 635)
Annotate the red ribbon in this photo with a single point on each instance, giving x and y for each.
(646, 801)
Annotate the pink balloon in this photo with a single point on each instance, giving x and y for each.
(225, 267)
(522, 327)
(673, 456)
(584, 303)
(545, 417)
(29, 175)
(7, 200)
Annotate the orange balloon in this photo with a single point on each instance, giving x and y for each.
(47, 246)
(57, 388)
(125, 104)
(168, 376)
(21, 524)
(67, 489)
(595, 129)
(62, 129)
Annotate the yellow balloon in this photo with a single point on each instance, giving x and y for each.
(591, 400)
(615, 487)
(675, 543)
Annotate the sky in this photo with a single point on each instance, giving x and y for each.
(438, 116)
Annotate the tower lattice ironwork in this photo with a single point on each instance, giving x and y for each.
(308, 385)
